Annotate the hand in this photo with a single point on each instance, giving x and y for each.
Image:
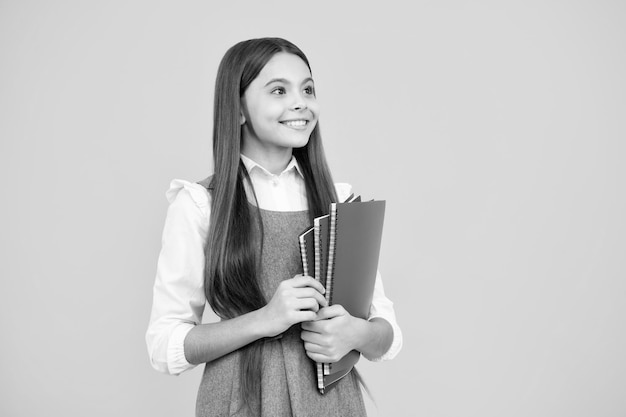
(296, 300)
(332, 335)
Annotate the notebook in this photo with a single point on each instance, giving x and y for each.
(309, 249)
(349, 248)
(320, 234)
(306, 250)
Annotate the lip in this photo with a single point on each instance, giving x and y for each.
(306, 123)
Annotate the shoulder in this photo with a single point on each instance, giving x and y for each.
(343, 190)
(188, 193)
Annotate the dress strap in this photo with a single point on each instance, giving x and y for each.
(207, 183)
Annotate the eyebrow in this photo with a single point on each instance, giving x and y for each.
(285, 81)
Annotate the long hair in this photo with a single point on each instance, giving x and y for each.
(232, 255)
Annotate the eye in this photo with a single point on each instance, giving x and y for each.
(310, 90)
(278, 91)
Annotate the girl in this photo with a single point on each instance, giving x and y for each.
(232, 241)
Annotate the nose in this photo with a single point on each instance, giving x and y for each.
(298, 104)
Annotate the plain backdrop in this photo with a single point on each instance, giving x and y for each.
(495, 131)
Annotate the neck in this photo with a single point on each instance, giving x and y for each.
(275, 161)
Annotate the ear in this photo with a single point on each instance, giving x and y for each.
(242, 118)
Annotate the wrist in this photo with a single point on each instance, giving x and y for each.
(262, 323)
(375, 338)
(362, 329)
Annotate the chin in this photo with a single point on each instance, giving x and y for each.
(297, 142)
(301, 143)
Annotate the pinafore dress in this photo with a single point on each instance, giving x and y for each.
(288, 381)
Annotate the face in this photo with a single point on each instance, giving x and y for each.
(279, 107)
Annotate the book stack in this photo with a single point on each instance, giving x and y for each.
(341, 250)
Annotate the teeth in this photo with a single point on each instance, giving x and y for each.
(295, 123)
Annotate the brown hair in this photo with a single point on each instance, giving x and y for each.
(231, 274)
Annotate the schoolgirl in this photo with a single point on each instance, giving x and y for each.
(231, 241)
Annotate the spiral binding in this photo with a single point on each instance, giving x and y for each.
(316, 239)
(305, 266)
(331, 263)
(331, 252)
(317, 269)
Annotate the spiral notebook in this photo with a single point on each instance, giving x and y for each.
(349, 255)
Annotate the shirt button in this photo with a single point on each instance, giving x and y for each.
(275, 182)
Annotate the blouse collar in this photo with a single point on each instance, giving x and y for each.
(251, 166)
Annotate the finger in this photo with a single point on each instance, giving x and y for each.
(312, 326)
(313, 348)
(311, 337)
(304, 316)
(306, 281)
(308, 304)
(301, 280)
(311, 293)
(306, 292)
(318, 357)
(330, 312)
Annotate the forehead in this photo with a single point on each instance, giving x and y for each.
(284, 65)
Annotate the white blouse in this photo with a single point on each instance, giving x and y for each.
(178, 298)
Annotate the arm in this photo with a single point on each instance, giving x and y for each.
(375, 338)
(382, 308)
(206, 342)
(178, 295)
(295, 300)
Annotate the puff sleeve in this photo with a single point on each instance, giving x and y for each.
(178, 296)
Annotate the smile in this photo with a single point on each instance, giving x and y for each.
(295, 123)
